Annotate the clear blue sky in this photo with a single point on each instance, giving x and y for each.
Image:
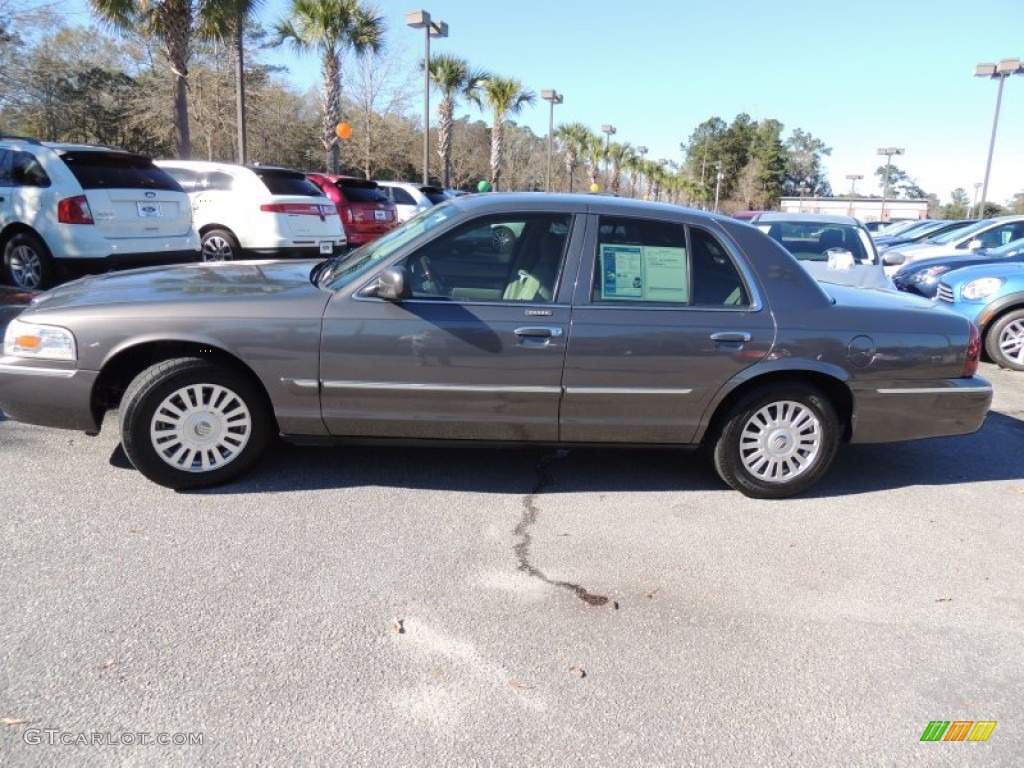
(859, 76)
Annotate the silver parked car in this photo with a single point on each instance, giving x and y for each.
(607, 321)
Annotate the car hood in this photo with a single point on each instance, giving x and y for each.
(1013, 270)
(196, 283)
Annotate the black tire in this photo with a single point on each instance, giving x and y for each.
(799, 427)
(27, 263)
(225, 438)
(1004, 341)
(220, 245)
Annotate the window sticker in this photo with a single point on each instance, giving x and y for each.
(643, 273)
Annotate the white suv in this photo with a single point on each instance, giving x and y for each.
(258, 210)
(411, 198)
(86, 208)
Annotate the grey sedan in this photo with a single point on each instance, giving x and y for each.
(593, 320)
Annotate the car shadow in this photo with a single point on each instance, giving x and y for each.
(992, 454)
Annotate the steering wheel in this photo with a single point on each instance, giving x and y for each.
(424, 279)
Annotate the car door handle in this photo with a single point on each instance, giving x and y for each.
(535, 331)
(733, 337)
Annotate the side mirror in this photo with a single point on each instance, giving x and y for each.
(392, 284)
(893, 259)
(975, 244)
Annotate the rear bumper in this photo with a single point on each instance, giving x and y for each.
(48, 396)
(303, 251)
(129, 260)
(909, 410)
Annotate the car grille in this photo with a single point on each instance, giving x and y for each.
(945, 293)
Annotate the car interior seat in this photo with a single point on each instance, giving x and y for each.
(830, 238)
(537, 269)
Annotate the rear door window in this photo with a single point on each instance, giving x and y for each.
(117, 170)
(284, 182)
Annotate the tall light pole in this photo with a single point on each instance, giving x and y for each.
(718, 184)
(853, 179)
(974, 202)
(999, 72)
(422, 20)
(641, 150)
(607, 130)
(554, 97)
(888, 152)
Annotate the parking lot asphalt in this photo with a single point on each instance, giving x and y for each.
(421, 607)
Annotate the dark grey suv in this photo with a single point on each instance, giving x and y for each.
(599, 321)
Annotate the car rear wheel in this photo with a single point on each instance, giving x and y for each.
(777, 442)
(220, 245)
(1005, 341)
(191, 423)
(28, 263)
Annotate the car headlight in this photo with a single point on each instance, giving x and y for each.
(929, 275)
(39, 342)
(981, 288)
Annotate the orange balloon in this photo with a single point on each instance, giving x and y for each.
(344, 130)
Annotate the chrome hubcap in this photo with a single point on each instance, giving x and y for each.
(781, 441)
(200, 428)
(26, 267)
(217, 249)
(1011, 342)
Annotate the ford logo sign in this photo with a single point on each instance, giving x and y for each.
(151, 195)
(149, 209)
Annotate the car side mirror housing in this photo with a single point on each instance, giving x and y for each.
(893, 259)
(392, 284)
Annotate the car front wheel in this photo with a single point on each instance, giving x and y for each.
(192, 423)
(220, 245)
(28, 263)
(777, 442)
(1005, 341)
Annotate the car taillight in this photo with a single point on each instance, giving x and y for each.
(973, 352)
(74, 210)
(302, 209)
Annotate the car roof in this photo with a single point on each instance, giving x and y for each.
(606, 204)
(809, 218)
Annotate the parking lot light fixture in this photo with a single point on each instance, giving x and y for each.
(431, 28)
(999, 72)
(888, 152)
(972, 211)
(553, 97)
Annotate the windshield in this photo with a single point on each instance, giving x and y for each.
(898, 227)
(955, 234)
(1012, 248)
(336, 274)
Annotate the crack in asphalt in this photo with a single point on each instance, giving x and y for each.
(522, 530)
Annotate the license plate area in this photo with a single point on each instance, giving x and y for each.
(149, 210)
(380, 215)
(326, 247)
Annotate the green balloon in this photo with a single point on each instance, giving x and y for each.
(484, 186)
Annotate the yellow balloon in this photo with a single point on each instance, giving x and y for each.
(595, 188)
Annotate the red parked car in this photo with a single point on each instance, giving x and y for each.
(366, 211)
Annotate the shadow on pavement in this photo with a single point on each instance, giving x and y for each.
(991, 454)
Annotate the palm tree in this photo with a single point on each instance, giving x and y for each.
(171, 22)
(618, 154)
(504, 96)
(452, 77)
(329, 28)
(593, 152)
(226, 21)
(574, 136)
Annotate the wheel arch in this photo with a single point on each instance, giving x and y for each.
(834, 388)
(203, 230)
(19, 228)
(125, 364)
(996, 310)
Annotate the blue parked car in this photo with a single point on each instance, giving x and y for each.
(922, 277)
(992, 295)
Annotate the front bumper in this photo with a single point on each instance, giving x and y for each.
(911, 410)
(48, 396)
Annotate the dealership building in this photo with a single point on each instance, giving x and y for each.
(863, 208)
